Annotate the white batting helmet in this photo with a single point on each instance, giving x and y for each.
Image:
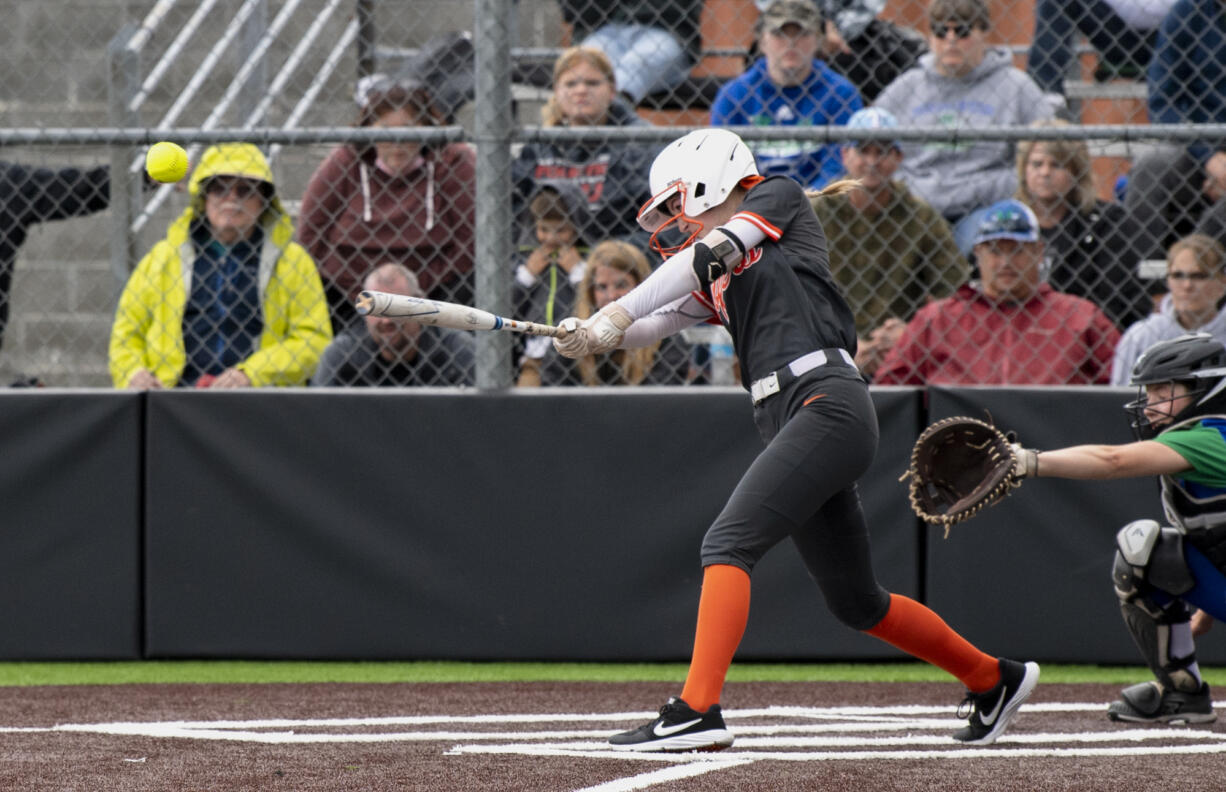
(704, 166)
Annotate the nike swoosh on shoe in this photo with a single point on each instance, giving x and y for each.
(991, 717)
(660, 730)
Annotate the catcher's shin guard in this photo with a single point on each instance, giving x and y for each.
(1154, 637)
(1150, 560)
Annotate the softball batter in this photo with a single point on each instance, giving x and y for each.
(755, 257)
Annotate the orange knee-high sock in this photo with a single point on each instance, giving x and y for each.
(918, 631)
(723, 611)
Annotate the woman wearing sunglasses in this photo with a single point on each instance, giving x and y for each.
(963, 83)
(1195, 302)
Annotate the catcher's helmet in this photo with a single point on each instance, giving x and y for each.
(1198, 360)
(704, 166)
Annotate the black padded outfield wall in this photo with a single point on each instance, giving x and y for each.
(70, 571)
(553, 524)
(1031, 577)
(445, 524)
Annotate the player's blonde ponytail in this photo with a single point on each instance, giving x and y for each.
(834, 188)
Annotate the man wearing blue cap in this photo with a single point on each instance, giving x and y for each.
(1008, 328)
(890, 251)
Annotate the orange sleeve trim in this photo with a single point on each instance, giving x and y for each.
(771, 230)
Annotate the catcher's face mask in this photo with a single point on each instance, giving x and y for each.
(1157, 404)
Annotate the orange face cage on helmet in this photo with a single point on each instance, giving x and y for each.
(672, 219)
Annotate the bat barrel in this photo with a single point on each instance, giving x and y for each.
(443, 314)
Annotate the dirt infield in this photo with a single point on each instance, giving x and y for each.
(549, 737)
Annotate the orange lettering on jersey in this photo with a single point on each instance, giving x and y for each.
(720, 284)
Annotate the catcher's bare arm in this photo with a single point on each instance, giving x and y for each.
(1130, 460)
(445, 314)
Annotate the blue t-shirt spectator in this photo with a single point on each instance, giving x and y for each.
(824, 98)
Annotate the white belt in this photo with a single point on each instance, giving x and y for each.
(770, 384)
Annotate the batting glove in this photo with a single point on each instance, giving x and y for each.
(607, 328)
(576, 343)
(1025, 461)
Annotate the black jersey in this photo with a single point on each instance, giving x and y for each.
(780, 301)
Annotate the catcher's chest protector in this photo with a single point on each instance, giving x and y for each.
(1192, 513)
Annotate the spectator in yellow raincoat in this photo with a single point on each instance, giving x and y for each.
(227, 299)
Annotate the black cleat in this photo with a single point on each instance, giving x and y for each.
(1149, 703)
(992, 710)
(679, 728)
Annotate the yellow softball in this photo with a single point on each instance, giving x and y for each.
(166, 162)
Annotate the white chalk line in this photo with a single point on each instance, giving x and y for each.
(857, 719)
(869, 715)
(750, 731)
(996, 751)
(674, 773)
(851, 719)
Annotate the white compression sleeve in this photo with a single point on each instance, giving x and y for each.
(663, 322)
(672, 280)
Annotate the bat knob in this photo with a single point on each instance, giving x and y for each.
(565, 327)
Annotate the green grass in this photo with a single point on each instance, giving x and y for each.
(227, 671)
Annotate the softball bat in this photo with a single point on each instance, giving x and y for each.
(445, 314)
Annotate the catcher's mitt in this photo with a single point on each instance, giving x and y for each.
(960, 466)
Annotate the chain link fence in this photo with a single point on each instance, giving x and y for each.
(496, 152)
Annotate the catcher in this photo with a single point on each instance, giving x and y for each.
(1169, 579)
